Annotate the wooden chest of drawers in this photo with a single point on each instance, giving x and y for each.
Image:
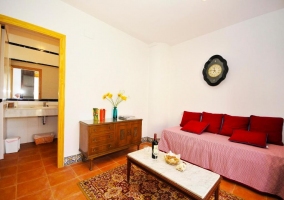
(101, 138)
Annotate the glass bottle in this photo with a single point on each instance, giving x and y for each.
(155, 149)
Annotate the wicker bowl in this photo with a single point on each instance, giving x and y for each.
(171, 159)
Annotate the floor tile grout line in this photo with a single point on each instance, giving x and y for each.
(24, 181)
(52, 195)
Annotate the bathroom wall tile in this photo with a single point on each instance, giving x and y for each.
(53, 124)
(17, 127)
(32, 128)
(49, 126)
(27, 127)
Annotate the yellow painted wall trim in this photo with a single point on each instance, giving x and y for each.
(5, 20)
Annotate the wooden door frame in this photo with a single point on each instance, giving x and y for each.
(5, 20)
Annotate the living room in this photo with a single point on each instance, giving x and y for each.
(162, 80)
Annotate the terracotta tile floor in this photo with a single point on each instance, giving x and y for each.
(32, 174)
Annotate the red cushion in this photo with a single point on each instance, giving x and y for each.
(195, 127)
(187, 116)
(270, 125)
(231, 123)
(214, 121)
(249, 137)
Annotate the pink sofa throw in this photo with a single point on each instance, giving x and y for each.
(259, 168)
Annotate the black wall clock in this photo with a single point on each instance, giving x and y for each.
(215, 70)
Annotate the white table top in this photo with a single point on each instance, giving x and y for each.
(194, 179)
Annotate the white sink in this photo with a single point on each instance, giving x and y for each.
(31, 111)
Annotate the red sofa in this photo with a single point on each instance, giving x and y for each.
(248, 150)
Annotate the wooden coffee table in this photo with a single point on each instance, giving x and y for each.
(194, 182)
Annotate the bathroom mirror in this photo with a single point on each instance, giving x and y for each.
(26, 82)
(33, 81)
(33, 72)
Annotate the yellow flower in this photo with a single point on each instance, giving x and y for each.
(119, 99)
(124, 98)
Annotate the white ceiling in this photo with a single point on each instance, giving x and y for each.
(173, 21)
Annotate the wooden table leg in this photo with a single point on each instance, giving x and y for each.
(91, 164)
(128, 169)
(217, 192)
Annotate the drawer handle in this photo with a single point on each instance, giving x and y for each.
(109, 146)
(94, 140)
(94, 150)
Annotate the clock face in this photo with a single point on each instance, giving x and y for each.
(215, 70)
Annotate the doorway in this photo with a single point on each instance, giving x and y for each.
(5, 20)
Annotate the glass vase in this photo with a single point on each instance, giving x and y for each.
(114, 113)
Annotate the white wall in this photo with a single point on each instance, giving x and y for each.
(160, 88)
(99, 59)
(254, 51)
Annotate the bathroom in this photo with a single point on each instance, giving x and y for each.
(31, 104)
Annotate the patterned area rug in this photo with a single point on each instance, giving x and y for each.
(113, 185)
